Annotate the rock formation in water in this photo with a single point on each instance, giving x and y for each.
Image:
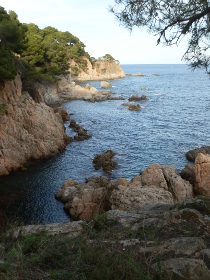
(28, 130)
(156, 185)
(65, 89)
(99, 70)
(105, 161)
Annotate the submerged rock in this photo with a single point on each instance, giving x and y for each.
(105, 161)
(137, 98)
(143, 97)
(133, 107)
(134, 98)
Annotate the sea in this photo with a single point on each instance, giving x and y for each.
(174, 119)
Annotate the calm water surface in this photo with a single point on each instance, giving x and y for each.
(173, 120)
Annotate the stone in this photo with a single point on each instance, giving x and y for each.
(83, 201)
(188, 173)
(185, 246)
(105, 84)
(180, 188)
(134, 98)
(153, 175)
(143, 97)
(71, 229)
(202, 174)
(192, 154)
(183, 268)
(81, 133)
(127, 198)
(133, 107)
(63, 113)
(105, 161)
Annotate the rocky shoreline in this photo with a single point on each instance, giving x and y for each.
(157, 202)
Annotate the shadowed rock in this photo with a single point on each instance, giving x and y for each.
(82, 133)
(63, 113)
(192, 154)
(105, 161)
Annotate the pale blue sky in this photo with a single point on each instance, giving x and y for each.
(97, 28)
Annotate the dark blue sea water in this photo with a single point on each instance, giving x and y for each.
(175, 119)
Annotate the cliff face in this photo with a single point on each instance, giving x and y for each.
(28, 130)
(100, 70)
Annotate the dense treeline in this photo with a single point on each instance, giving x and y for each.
(39, 53)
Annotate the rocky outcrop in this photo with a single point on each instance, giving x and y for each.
(28, 130)
(105, 84)
(162, 241)
(156, 185)
(202, 174)
(133, 107)
(192, 154)
(83, 201)
(105, 161)
(99, 70)
(81, 133)
(65, 89)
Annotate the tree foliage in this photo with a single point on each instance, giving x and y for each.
(11, 42)
(40, 53)
(171, 20)
(49, 50)
(108, 57)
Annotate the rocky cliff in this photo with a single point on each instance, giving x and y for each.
(99, 70)
(28, 129)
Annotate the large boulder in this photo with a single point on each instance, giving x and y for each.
(128, 198)
(202, 174)
(180, 188)
(105, 161)
(83, 201)
(153, 175)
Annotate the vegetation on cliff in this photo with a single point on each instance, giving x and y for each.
(41, 53)
(12, 34)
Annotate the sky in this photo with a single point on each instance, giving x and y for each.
(97, 28)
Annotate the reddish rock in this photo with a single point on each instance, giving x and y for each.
(202, 174)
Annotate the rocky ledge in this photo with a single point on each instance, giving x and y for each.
(160, 242)
(157, 184)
